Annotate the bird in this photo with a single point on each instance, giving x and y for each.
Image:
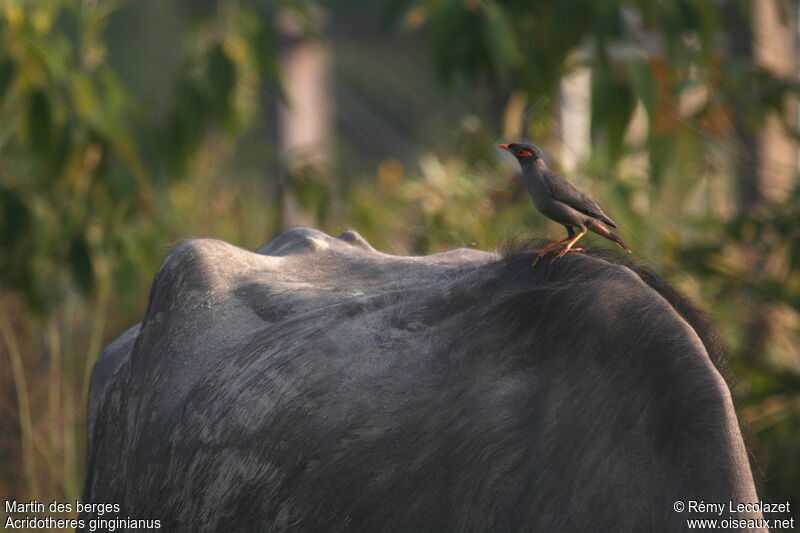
(559, 200)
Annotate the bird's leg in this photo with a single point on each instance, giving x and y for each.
(570, 244)
(549, 247)
(571, 234)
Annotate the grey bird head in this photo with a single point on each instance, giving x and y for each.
(522, 151)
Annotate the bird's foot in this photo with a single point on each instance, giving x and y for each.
(546, 249)
(564, 251)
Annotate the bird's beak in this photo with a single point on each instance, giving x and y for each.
(504, 147)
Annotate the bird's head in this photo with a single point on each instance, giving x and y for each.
(522, 151)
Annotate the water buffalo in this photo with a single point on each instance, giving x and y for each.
(321, 385)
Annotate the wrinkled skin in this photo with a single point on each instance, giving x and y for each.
(320, 385)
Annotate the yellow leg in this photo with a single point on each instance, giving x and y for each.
(549, 247)
(569, 245)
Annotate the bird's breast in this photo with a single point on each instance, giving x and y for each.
(538, 192)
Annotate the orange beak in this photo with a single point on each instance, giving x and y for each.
(504, 147)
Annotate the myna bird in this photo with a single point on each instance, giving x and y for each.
(558, 200)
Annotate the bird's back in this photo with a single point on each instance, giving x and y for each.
(563, 191)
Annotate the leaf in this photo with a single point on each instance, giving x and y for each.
(39, 120)
(7, 69)
(80, 262)
(14, 218)
(221, 76)
(17, 249)
(393, 11)
(708, 25)
(452, 52)
(499, 34)
(613, 104)
(121, 180)
(186, 126)
(262, 41)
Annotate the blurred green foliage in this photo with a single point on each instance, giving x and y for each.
(127, 125)
(84, 162)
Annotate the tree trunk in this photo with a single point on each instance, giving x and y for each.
(304, 120)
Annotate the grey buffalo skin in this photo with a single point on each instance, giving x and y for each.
(320, 385)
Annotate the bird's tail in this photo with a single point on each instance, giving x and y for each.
(602, 229)
(616, 239)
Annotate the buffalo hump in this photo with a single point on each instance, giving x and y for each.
(320, 385)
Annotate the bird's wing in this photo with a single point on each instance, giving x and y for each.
(563, 191)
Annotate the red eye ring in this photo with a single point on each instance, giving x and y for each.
(525, 153)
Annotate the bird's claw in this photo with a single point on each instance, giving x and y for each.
(560, 254)
(564, 252)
